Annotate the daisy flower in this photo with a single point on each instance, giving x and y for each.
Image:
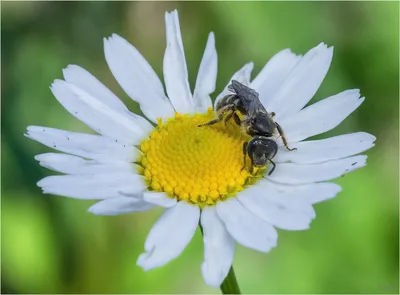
(164, 159)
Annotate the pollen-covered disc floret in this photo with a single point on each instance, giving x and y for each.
(200, 165)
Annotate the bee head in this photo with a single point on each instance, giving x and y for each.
(261, 149)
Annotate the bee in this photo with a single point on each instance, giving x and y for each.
(256, 122)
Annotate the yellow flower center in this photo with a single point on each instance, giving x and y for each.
(200, 165)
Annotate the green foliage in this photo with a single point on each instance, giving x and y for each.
(52, 245)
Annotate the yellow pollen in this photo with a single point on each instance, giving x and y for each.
(200, 165)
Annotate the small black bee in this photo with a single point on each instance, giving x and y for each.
(256, 122)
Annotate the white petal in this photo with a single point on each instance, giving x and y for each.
(321, 116)
(302, 83)
(305, 193)
(317, 151)
(170, 235)
(299, 174)
(274, 204)
(317, 192)
(82, 79)
(119, 205)
(87, 82)
(83, 145)
(97, 115)
(271, 77)
(175, 71)
(75, 165)
(92, 187)
(159, 199)
(207, 76)
(137, 78)
(242, 76)
(219, 248)
(245, 227)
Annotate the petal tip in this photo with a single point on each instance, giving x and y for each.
(57, 83)
(41, 184)
(212, 278)
(168, 15)
(249, 65)
(142, 261)
(339, 189)
(94, 209)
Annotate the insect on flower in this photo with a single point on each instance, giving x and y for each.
(164, 159)
(256, 122)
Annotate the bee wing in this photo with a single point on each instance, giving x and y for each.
(241, 89)
(248, 96)
(252, 104)
(230, 88)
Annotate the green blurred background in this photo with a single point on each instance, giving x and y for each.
(53, 245)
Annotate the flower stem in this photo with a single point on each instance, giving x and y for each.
(230, 284)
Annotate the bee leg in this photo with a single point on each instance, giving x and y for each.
(272, 114)
(273, 167)
(227, 117)
(251, 169)
(220, 115)
(237, 119)
(245, 144)
(280, 130)
(212, 122)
